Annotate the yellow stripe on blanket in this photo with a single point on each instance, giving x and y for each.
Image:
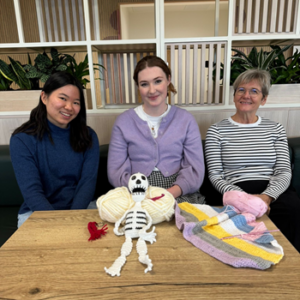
(217, 231)
(189, 208)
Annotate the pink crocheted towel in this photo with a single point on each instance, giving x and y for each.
(244, 202)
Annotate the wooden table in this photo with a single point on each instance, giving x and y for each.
(50, 257)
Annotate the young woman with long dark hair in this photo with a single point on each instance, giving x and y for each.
(55, 154)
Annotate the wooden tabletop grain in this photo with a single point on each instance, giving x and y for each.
(49, 257)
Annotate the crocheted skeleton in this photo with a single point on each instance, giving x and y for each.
(137, 222)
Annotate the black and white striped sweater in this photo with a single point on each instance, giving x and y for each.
(240, 152)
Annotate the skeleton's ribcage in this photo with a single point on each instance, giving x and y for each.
(135, 221)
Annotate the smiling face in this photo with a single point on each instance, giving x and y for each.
(153, 87)
(62, 105)
(246, 103)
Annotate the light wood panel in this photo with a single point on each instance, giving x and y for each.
(8, 24)
(102, 123)
(119, 69)
(293, 123)
(61, 20)
(19, 100)
(29, 20)
(8, 125)
(197, 84)
(108, 13)
(264, 16)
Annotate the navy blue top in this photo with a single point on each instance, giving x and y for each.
(54, 176)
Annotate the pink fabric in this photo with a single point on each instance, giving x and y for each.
(249, 217)
(245, 203)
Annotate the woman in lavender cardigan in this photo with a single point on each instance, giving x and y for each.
(159, 140)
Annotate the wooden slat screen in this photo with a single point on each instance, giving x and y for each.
(196, 72)
(8, 24)
(265, 16)
(60, 20)
(120, 88)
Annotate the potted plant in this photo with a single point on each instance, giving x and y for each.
(81, 71)
(14, 72)
(29, 76)
(44, 65)
(284, 75)
(4, 83)
(11, 100)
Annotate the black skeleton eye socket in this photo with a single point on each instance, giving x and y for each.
(143, 177)
(133, 177)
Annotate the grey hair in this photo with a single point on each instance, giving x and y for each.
(261, 76)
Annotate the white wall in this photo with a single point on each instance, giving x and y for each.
(181, 20)
(194, 24)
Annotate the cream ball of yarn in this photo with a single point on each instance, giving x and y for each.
(116, 202)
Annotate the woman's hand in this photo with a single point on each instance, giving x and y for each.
(267, 199)
(175, 190)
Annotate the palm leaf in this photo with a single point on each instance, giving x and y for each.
(29, 59)
(23, 82)
(4, 83)
(260, 58)
(7, 71)
(283, 50)
(253, 56)
(242, 54)
(242, 60)
(268, 60)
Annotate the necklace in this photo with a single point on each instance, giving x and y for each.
(154, 121)
(152, 128)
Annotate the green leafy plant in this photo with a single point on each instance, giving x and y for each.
(29, 75)
(264, 60)
(4, 83)
(14, 72)
(272, 61)
(44, 65)
(81, 70)
(289, 73)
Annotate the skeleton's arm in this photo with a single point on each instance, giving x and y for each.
(117, 224)
(148, 236)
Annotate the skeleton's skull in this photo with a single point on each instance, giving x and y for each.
(138, 185)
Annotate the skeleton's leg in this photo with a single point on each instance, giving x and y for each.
(141, 248)
(120, 261)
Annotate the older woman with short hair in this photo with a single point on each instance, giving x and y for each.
(249, 153)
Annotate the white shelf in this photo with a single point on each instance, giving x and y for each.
(157, 44)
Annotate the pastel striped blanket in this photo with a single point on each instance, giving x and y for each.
(206, 226)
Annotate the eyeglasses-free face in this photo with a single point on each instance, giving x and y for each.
(252, 92)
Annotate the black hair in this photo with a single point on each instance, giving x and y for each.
(80, 139)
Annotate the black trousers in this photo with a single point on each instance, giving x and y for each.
(285, 211)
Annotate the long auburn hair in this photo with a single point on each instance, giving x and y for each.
(153, 61)
(80, 138)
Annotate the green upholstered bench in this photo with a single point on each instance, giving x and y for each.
(11, 198)
(294, 144)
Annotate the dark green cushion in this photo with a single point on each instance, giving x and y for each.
(103, 185)
(294, 144)
(10, 193)
(8, 222)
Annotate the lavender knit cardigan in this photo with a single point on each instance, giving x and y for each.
(177, 148)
